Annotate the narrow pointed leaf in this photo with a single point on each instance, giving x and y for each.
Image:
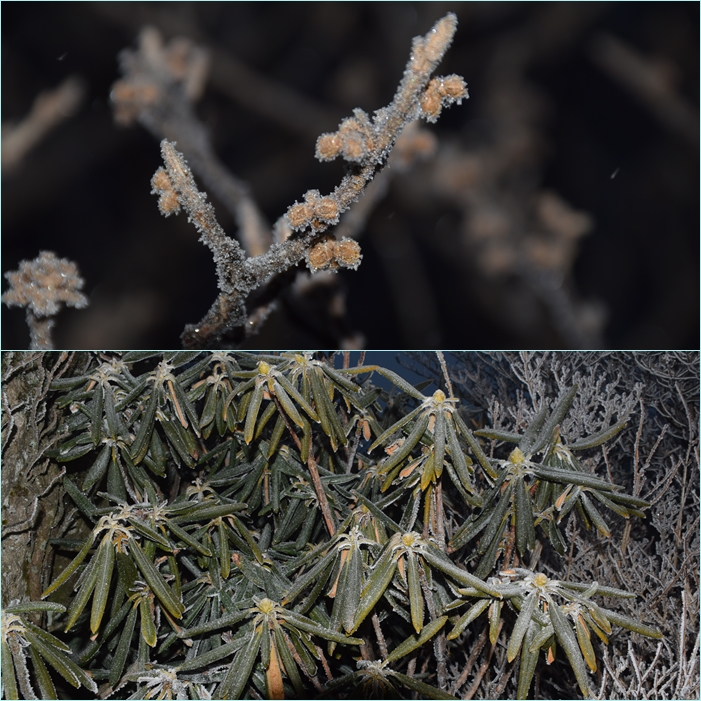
(631, 624)
(555, 419)
(309, 626)
(139, 447)
(236, 678)
(521, 626)
(42, 676)
(572, 477)
(216, 624)
(288, 405)
(425, 691)
(525, 532)
(252, 413)
(416, 600)
(585, 643)
(476, 448)
(470, 615)
(154, 579)
(65, 666)
(123, 647)
(288, 661)
(567, 639)
(214, 655)
(529, 659)
(410, 442)
(80, 601)
(415, 641)
(148, 627)
(375, 586)
(394, 428)
(440, 561)
(105, 566)
(598, 438)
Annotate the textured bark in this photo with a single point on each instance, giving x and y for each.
(32, 494)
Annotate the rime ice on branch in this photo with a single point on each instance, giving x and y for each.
(364, 142)
(42, 285)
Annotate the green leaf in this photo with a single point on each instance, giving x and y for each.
(301, 582)
(289, 389)
(425, 690)
(631, 624)
(183, 535)
(595, 516)
(96, 415)
(296, 620)
(68, 669)
(375, 511)
(458, 457)
(415, 641)
(252, 413)
(521, 626)
(32, 606)
(476, 448)
(214, 655)
(440, 561)
(224, 553)
(352, 588)
(328, 418)
(236, 678)
(525, 532)
(105, 566)
(80, 601)
(555, 419)
(394, 428)
(288, 661)
(155, 581)
(148, 627)
(9, 681)
(598, 438)
(47, 637)
(567, 639)
(123, 647)
(410, 442)
(571, 477)
(216, 624)
(81, 501)
(139, 447)
(494, 617)
(374, 588)
(44, 682)
(496, 523)
(145, 530)
(496, 435)
(208, 511)
(416, 600)
(528, 662)
(585, 643)
(470, 615)
(98, 469)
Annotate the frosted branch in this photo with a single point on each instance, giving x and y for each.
(362, 141)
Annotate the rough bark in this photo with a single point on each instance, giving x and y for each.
(32, 494)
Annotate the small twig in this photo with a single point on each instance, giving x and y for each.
(483, 667)
(49, 109)
(444, 367)
(378, 634)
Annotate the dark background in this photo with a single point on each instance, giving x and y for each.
(83, 192)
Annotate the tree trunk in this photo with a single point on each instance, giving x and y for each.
(33, 508)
